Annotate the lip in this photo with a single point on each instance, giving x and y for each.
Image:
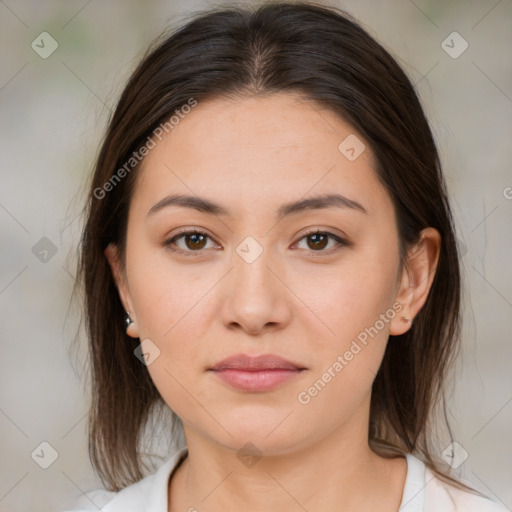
(256, 363)
(255, 374)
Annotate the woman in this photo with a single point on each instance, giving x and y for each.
(269, 217)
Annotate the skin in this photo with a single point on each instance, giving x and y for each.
(300, 302)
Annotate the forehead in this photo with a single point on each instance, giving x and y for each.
(274, 148)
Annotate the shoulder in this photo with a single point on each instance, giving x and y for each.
(442, 496)
(146, 495)
(92, 500)
(424, 491)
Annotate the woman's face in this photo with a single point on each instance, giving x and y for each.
(259, 281)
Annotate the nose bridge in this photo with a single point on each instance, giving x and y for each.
(255, 295)
(251, 260)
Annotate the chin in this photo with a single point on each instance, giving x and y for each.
(266, 437)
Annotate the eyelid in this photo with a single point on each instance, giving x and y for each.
(341, 241)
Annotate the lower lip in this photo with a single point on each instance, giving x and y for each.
(261, 380)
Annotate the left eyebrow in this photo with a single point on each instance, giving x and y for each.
(204, 205)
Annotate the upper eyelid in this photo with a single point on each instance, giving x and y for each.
(190, 232)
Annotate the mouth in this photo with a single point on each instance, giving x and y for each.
(256, 374)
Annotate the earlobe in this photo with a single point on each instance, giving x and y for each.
(112, 254)
(402, 321)
(416, 280)
(131, 327)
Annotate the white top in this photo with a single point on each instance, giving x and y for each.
(423, 492)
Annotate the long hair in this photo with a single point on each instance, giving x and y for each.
(326, 56)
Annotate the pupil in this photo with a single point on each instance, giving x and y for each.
(321, 243)
(194, 237)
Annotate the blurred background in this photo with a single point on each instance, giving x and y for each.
(63, 65)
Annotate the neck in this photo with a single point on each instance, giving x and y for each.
(338, 472)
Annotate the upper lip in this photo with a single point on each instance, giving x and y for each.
(250, 363)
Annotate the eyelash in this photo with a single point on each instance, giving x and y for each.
(340, 241)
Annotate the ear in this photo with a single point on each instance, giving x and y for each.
(417, 276)
(119, 275)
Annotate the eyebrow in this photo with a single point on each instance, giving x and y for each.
(206, 206)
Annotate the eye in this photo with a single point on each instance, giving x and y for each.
(317, 241)
(194, 242)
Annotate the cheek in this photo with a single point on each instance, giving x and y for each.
(349, 298)
(166, 294)
(170, 303)
(169, 308)
(348, 354)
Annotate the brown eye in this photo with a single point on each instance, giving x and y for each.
(318, 241)
(194, 242)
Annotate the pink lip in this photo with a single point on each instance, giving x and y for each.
(256, 373)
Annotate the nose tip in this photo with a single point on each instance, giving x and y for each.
(255, 298)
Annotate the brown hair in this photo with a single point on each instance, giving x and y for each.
(323, 54)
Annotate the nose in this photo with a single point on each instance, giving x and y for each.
(257, 299)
